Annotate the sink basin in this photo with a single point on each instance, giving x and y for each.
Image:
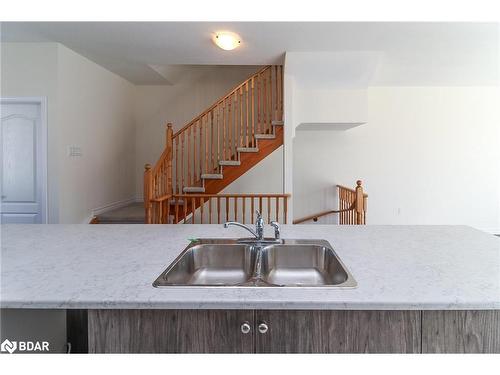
(227, 262)
(210, 264)
(302, 265)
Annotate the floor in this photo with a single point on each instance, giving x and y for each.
(131, 214)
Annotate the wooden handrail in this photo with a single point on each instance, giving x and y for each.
(161, 198)
(352, 206)
(315, 217)
(170, 196)
(235, 195)
(349, 189)
(220, 100)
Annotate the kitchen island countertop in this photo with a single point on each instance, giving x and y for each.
(113, 266)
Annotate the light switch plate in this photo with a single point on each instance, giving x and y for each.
(74, 151)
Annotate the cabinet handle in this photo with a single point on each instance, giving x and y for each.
(263, 328)
(245, 328)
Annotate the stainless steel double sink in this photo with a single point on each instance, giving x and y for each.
(287, 263)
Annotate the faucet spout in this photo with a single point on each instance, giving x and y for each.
(236, 224)
(259, 225)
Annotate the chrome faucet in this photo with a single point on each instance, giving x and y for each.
(236, 224)
(259, 226)
(258, 233)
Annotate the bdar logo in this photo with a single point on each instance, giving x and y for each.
(8, 346)
(24, 346)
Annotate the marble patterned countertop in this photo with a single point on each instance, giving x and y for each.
(113, 266)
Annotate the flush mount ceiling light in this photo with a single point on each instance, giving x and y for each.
(227, 40)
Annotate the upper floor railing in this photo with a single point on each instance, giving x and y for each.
(218, 208)
(352, 204)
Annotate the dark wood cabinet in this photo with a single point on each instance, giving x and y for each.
(461, 331)
(169, 331)
(77, 330)
(339, 331)
(289, 331)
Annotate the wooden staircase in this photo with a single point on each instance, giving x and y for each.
(216, 147)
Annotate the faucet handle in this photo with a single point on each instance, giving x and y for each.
(276, 227)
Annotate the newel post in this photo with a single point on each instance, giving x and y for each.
(148, 192)
(359, 202)
(169, 146)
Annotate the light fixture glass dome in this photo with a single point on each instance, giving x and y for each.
(227, 40)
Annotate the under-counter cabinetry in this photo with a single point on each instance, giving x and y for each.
(292, 331)
(461, 331)
(169, 331)
(339, 331)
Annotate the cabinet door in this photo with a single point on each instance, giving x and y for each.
(338, 331)
(461, 331)
(169, 331)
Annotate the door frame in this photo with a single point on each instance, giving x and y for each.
(42, 148)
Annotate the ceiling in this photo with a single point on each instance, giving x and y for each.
(148, 52)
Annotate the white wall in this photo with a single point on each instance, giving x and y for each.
(427, 155)
(334, 106)
(178, 104)
(89, 107)
(95, 112)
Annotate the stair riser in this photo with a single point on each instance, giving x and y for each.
(247, 161)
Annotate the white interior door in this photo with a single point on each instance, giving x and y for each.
(23, 162)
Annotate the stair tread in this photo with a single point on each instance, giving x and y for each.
(229, 162)
(247, 149)
(264, 136)
(193, 189)
(212, 176)
(177, 201)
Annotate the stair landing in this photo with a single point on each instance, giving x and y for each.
(130, 214)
